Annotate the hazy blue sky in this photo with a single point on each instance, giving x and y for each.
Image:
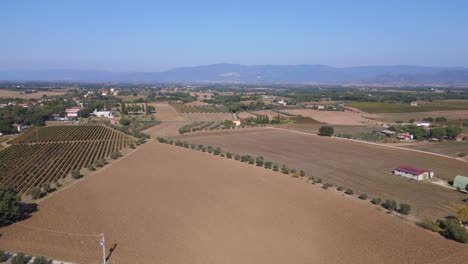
(157, 35)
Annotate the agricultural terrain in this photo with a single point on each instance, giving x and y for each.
(163, 204)
(347, 118)
(38, 95)
(47, 154)
(172, 119)
(442, 105)
(363, 167)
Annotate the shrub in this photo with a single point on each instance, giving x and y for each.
(259, 161)
(461, 155)
(390, 205)
(40, 260)
(20, 258)
(124, 121)
(237, 157)
(10, 207)
(431, 225)
(318, 180)
(203, 149)
(349, 192)
(376, 200)
(363, 196)
(284, 169)
(340, 188)
(90, 167)
(186, 144)
(275, 167)
(35, 193)
(97, 164)
(268, 164)
(404, 209)
(209, 149)
(3, 256)
(76, 173)
(193, 146)
(453, 230)
(217, 151)
(302, 173)
(325, 186)
(132, 146)
(46, 187)
(200, 147)
(58, 184)
(229, 155)
(222, 155)
(251, 160)
(326, 131)
(114, 155)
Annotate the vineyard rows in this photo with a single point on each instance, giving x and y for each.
(51, 153)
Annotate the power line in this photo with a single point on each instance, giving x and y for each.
(52, 231)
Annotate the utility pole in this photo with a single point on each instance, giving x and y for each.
(103, 245)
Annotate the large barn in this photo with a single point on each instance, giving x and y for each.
(413, 173)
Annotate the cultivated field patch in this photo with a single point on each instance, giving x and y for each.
(437, 105)
(48, 154)
(163, 204)
(362, 167)
(335, 117)
(38, 95)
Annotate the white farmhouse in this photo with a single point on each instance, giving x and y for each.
(413, 173)
(107, 114)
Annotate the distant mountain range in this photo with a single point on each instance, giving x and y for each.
(261, 74)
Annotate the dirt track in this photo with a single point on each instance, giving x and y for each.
(164, 204)
(362, 167)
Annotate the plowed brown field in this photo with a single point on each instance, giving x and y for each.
(363, 167)
(163, 204)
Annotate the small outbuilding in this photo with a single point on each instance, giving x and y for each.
(460, 182)
(413, 173)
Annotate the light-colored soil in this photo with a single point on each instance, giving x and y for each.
(197, 103)
(172, 120)
(164, 204)
(351, 118)
(339, 129)
(38, 95)
(243, 115)
(364, 168)
(444, 148)
(405, 117)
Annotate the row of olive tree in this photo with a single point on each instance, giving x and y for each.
(257, 161)
(390, 205)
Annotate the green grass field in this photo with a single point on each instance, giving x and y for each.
(442, 105)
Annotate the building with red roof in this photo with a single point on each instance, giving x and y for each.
(413, 173)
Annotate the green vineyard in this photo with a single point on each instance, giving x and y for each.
(47, 154)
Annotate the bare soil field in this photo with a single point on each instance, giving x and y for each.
(335, 117)
(39, 94)
(363, 167)
(445, 148)
(405, 117)
(243, 115)
(215, 210)
(339, 129)
(172, 120)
